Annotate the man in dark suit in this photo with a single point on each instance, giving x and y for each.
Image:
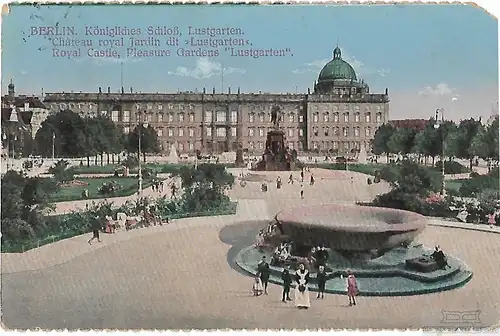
(264, 273)
(287, 282)
(321, 281)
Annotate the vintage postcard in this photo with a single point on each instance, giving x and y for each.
(249, 167)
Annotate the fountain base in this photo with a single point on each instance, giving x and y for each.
(387, 275)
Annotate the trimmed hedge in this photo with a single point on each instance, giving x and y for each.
(77, 223)
(369, 169)
(451, 167)
(162, 168)
(473, 186)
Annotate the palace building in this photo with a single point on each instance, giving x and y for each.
(338, 115)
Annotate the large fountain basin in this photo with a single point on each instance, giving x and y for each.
(350, 228)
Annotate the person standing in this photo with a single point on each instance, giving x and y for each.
(302, 175)
(287, 283)
(96, 227)
(312, 180)
(301, 191)
(321, 281)
(264, 273)
(352, 288)
(301, 292)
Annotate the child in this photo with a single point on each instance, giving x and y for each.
(257, 287)
(352, 288)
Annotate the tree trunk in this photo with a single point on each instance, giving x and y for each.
(112, 158)
(107, 158)
(470, 163)
(95, 160)
(88, 161)
(144, 157)
(433, 160)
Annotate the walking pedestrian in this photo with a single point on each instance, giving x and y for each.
(302, 176)
(287, 282)
(96, 227)
(290, 179)
(301, 191)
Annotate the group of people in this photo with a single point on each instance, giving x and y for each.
(302, 279)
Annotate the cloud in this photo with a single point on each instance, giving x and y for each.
(23, 72)
(205, 68)
(358, 66)
(442, 89)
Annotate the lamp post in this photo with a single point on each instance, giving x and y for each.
(139, 152)
(8, 149)
(437, 125)
(53, 145)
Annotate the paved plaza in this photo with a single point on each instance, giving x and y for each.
(181, 275)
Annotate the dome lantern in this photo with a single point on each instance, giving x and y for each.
(337, 54)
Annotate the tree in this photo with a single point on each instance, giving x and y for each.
(461, 141)
(381, 139)
(149, 141)
(24, 201)
(205, 187)
(485, 143)
(105, 136)
(402, 141)
(70, 135)
(429, 141)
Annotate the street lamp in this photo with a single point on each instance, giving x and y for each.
(437, 125)
(8, 149)
(53, 145)
(139, 134)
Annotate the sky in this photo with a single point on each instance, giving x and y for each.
(428, 56)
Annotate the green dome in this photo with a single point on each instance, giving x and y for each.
(337, 69)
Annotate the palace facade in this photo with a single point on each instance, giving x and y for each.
(338, 115)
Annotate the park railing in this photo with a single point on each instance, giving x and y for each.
(21, 247)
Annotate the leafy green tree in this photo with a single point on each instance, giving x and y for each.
(205, 187)
(402, 141)
(24, 202)
(70, 135)
(105, 137)
(460, 142)
(485, 143)
(429, 142)
(381, 140)
(149, 141)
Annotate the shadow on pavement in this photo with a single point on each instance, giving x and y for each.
(239, 236)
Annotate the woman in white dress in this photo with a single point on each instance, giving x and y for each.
(301, 292)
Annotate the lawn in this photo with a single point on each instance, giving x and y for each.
(454, 184)
(74, 193)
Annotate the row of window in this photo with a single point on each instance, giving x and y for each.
(327, 145)
(347, 108)
(357, 117)
(148, 118)
(345, 131)
(148, 106)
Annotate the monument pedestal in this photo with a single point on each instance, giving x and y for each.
(276, 156)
